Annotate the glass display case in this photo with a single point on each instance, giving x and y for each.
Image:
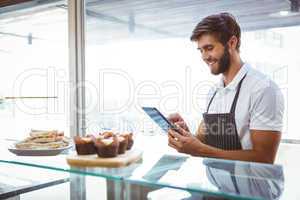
(16, 180)
(158, 175)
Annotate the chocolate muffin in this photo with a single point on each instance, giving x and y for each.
(129, 138)
(123, 143)
(107, 147)
(84, 145)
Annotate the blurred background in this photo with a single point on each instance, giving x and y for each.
(137, 53)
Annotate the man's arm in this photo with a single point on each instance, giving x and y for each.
(265, 145)
(200, 133)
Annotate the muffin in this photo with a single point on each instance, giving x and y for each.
(107, 134)
(84, 145)
(107, 147)
(123, 143)
(129, 137)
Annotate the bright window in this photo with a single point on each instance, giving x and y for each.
(34, 63)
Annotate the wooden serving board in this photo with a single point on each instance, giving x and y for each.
(121, 160)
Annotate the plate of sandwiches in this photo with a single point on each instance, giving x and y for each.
(41, 143)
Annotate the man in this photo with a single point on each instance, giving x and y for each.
(244, 112)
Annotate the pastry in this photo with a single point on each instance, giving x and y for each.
(107, 134)
(84, 145)
(41, 140)
(107, 147)
(129, 137)
(123, 143)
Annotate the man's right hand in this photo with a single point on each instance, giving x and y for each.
(175, 118)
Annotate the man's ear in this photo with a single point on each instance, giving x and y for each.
(232, 43)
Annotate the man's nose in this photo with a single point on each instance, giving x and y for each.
(205, 56)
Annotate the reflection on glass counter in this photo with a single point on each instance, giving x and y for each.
(230, 179)
(262, 181)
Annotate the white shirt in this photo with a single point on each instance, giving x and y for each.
(260, 104)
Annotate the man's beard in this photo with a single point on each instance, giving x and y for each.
(224, 62)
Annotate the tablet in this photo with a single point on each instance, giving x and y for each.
(159, 119)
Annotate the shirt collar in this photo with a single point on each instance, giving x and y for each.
(234, 83)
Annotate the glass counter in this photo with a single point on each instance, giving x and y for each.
(15, 180)
(185, 177)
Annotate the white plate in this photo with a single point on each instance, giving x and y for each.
(37, 152)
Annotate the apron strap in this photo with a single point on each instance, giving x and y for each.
(211, 101)
(232, 110)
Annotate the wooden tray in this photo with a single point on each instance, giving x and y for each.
(129, 157)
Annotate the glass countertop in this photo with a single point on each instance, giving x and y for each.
(232, 179)
(14, 179)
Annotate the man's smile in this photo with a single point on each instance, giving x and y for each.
(211, 62)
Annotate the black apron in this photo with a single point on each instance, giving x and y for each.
(221, 129)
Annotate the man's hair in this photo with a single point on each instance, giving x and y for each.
(223, 26)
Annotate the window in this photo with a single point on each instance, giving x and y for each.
(139, 53)
(34, 63)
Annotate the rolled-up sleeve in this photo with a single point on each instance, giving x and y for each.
(267, 109)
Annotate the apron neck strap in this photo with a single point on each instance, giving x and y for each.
(211, 101)
(232, 110)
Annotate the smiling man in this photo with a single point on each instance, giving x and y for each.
(244, 114)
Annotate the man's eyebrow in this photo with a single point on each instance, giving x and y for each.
(205, 46)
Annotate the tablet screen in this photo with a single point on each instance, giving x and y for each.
(158, 118)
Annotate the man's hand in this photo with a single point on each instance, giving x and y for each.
(175, 118)
(184, 142)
